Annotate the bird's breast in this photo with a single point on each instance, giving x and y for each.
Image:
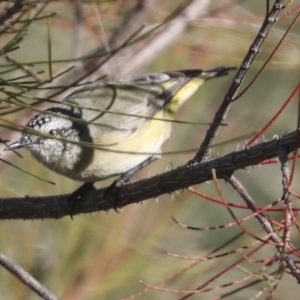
(121, 152)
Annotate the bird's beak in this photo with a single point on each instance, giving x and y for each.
(15, 145)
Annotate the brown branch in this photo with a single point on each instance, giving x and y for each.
(78, 28)
(168, 182)
(89, 69)
(26, 69)
(170, 34)
(286, 182)
(266, 225)
(18, 5)
(248, 60)
(26, 278)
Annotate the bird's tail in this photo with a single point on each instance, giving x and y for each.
(217, 72)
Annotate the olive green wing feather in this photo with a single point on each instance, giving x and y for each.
(123, 105)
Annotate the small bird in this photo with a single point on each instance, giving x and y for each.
(111, 128)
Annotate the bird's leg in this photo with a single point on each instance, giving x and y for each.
(111, 191)
(125, 178)
(77, 195)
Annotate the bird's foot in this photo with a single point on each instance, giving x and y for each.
(111, 193)
(77, 195)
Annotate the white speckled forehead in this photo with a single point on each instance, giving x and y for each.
(39, 120)
(43, 122)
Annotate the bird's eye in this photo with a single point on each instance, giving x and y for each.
(52, 132)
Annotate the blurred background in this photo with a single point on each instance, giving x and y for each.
(107, 255)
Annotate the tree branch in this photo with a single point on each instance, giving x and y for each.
(220, 115)
(26, 278)
(168, 182)
(18, 5)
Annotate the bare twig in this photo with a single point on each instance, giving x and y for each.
(89, 69)
(26, 69)
(283, 158)
(193, 11)
(168, 182)
(221, 273)
(26, 278)
(249, 58)
(18, 5)
(78, 28)
(236, 184)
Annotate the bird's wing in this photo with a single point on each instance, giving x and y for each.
(124, 104)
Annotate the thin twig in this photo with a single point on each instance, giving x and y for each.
(18, 5)
(236, 184)
(26, 69)
(78, 28)
(248, 60)
(26, 278)
(283, 158)
(89, 69)
(171, 32)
